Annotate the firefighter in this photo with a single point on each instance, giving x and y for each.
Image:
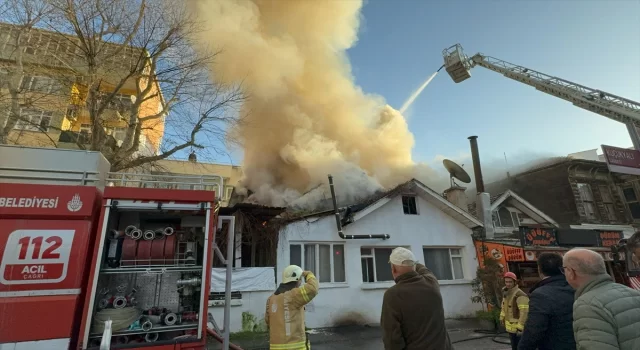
(285, 310)
(515, 307)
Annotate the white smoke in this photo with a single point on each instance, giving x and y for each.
(305, 117)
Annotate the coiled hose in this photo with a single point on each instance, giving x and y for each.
(121, 318)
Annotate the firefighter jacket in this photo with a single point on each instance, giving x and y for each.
(285, 315)
(515, 308)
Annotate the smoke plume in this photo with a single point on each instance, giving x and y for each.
(305, 117)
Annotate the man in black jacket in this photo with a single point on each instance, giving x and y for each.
(550, 322)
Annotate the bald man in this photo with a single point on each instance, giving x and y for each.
(606, 315)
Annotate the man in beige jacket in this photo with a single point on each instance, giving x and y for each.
(285, 310)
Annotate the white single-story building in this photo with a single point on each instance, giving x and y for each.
(354, 273)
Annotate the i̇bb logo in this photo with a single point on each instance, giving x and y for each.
(36, 256)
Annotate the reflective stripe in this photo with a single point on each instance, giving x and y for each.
(38, 293)
(292, 346)
(523, 307)
(304, 294)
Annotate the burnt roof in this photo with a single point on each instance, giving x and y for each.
(359, 206)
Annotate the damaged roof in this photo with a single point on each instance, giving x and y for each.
(357, 211)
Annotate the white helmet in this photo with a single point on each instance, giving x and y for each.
(291, 273)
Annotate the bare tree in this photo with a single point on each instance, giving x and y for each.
(126, 68)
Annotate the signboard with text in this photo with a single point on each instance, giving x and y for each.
(42, 254)
(622, 160)
(538, 237)
(609, 238)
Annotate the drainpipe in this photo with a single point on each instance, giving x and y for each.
(339, 222)
(483, 199)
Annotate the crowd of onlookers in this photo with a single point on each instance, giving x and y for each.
(576, 305)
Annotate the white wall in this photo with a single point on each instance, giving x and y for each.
(361, 302)
(252, 302)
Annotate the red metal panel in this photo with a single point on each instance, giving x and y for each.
(36, 318)
(28, 200)
(45, 257)
(158, 194)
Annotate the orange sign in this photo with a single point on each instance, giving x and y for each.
(491, 250)
(514, 253)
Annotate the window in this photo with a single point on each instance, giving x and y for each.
(632, 201)
(586, 196)
(227, 192)
(325, 260)
(33, 120)
(39, 84)
(445, 263)
(120, 102)
(375, 264)
(409, 205)
(607, 202)
(505, 218)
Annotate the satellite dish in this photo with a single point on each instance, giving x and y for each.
(456, 171)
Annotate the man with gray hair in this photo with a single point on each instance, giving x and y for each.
(606, 315)
(412, 311)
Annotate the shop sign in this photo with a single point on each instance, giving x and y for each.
(514, 254)
(538, 236)
(609, 238)
(622, 160)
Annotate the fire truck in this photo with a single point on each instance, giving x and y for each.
(458, 66)
(99, 260)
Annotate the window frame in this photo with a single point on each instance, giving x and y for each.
(460, 256)
(415, 204)
(627, 203)
(587, 201)
(372, 256)
(609, 206)
(317, 245)
(26, 121)
(33, 81)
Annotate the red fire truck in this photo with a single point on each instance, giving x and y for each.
(130, 263)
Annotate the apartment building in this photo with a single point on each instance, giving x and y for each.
(49, 76)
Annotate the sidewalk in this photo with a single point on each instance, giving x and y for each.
(370, 338)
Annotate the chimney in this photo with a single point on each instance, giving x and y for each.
(475, 156)
(456, 196)
(483, 199)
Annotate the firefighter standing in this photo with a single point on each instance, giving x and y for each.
(515, 307)
(285, 310)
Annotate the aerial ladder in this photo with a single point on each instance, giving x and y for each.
(620, 109)
(617, 108)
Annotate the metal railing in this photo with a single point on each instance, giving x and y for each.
(179, 182)
(48, 175)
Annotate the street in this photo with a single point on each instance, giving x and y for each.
(359, 337)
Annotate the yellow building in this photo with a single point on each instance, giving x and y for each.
(231, 174)
(52, 94)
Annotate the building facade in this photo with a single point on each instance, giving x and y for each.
(355, 273)
(45, 73)
(579, 193)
